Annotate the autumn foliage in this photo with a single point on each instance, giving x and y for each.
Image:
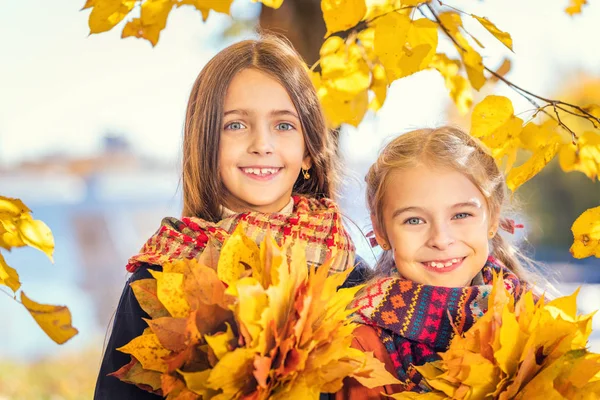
(371, 44)
(528, 350)
(247, 323)
(19, 229)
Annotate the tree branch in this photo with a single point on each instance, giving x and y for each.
(556, 104)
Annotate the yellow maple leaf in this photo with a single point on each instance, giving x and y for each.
(108, 13)
(584, 156)
(340, 15)
(502, 36)
(521, 174)
(232, 371)
(372, 373)
(148, 351)
(54, 320)
(169, 290)
(270, 3)
(8, 276)
(461, 91)
(145, 293)
(586, 234)
(237, 252)
(219, 342)
(575, 6)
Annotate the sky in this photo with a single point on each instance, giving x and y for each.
(61, 89)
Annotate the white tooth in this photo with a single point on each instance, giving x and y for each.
(434, 264)
(454, 260)
(449, 263)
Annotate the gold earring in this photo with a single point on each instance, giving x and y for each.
(306, 174)
(384, 246)
(492, 233)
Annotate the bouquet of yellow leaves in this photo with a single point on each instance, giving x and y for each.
(528, 350)
(247, 324)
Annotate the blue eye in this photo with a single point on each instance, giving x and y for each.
(413, 221)
(234, 126)
(284, 126)
(461, 216)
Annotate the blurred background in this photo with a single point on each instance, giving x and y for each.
(90, 137)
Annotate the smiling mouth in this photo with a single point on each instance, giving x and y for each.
(260, 172)
(443, 265)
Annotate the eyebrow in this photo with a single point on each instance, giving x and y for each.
(472, 204)
(273, 113)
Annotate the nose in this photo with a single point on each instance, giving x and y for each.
(440, 236)
(261, 142)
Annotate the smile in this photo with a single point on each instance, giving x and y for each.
(443, 265)
(261, 173)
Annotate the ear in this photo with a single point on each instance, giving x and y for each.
(494, 225)
(307, 162)
(379, 234)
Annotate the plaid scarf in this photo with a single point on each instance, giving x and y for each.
(413, 319)
(318, 222)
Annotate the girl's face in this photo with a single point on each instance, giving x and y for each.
(437, 223)
(262, 146)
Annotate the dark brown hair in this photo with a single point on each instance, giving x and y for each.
(203, 190)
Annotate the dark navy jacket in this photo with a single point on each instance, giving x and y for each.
(128, 324)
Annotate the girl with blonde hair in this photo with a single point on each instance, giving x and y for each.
(436, 199)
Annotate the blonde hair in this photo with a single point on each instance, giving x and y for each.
(452, 148)
(202, 188)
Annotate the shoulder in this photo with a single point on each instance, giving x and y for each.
(360, 274)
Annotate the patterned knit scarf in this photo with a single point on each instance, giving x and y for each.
(318, 222)
(414, 319)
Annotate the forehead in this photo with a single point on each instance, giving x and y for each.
(255, 90)
(429, 187)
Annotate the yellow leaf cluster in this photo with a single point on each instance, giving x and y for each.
(356, 71)
(586, 234)
(472, 61)
(494, 123)
(531, 349)
(19, 229)
(106, 14)
(258, 323)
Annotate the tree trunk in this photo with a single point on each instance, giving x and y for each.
(301, 21)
